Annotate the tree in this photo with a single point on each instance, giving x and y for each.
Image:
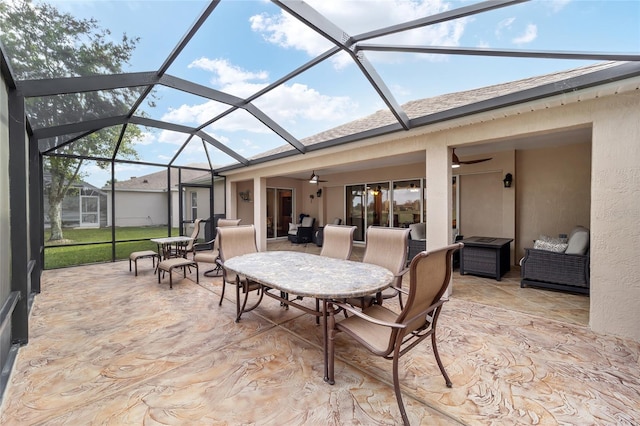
(44, 43)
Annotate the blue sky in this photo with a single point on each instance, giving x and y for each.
(245, 45)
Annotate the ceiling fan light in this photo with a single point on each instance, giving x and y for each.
(455, 162)
(314, 178)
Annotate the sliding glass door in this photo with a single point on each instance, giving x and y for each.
(279, 211)
(394, 203)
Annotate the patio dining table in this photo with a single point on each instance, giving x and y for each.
(311, 275)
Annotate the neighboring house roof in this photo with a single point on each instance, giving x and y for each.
(158, 181)
(46, 178)
(429, 106)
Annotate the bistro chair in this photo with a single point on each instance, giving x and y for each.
(391, 335)
(386, 247)
(212, 255)
(236, 241)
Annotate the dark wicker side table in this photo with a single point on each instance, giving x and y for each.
(485, 256)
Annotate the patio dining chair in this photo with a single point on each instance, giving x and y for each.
(391, 335)
(338, 244)
(211, 255)
(386, 247)
(337, 241)
(182, 250)
(236, 241)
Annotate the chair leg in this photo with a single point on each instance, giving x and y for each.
(222, 294)
(238, 313)
(437, 355)
(396, 386)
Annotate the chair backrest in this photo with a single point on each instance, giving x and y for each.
(222, 223)
(194, 234)
(236, 241)
(228, 222)
(430, 274)
(307, 222)
(387, 247)
(337, 241)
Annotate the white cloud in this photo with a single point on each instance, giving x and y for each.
(504, 24)
(170, 137)
(287, 104)
(194, 114)
(286, 31)
(350, 16)
(145, 138)
(225, 73)
(557, 5)
(530, 34)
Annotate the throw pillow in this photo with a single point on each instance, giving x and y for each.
(579, 242)
(418, 231)
(552, 239)
(555, 247)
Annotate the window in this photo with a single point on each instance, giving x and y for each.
(194, 205)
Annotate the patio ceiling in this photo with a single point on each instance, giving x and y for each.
(229, 88)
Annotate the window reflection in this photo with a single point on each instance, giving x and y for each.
(406, 203)
(369, 204)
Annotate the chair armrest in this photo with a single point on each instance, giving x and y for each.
(401, 273)
(205, 244)
(366, 317)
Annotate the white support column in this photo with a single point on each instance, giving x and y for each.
(260, 212)
(439, 202)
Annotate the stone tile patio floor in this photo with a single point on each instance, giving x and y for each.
(109, 348)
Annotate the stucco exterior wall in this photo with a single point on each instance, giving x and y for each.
(553, 192)
(614, 198)
(615, 214)
(139, 208)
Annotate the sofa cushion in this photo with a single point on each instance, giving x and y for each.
(418, 231)
(578, 241)
(307, 221)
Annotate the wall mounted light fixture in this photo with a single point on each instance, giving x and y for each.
(319, 193)
(245, 196)
(508, 180)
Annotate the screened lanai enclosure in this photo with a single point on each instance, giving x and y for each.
(131, 115)
(177, 97)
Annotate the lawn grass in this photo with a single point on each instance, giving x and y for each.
(75, 250)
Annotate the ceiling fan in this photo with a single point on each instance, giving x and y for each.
(455, 161)
(315, 178)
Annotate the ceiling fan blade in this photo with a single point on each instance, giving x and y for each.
(476, 161)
